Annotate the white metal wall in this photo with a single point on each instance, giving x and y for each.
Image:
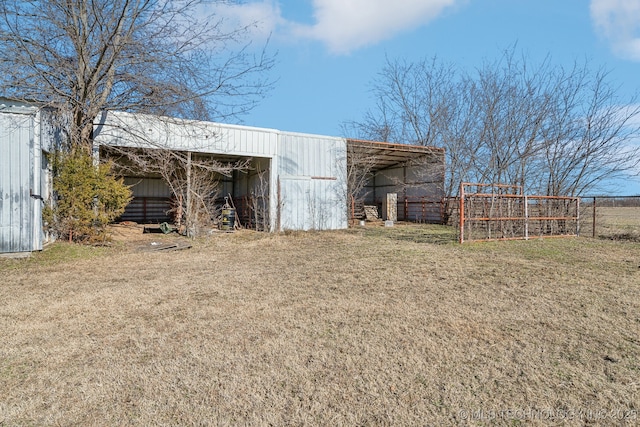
(312, 172)
(21, 180)
(129, 130)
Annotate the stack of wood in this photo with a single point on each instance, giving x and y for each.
(371, 213)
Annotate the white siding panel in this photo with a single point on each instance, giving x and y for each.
(310, 204)
(293, 194)
(20, 214)
(128, 130)
(312, 155)
(312, 187)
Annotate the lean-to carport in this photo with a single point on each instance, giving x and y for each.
(414, 173)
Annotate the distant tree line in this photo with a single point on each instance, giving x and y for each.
(551, 129)
(613, 201)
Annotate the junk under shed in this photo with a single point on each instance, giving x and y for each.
(290, 181)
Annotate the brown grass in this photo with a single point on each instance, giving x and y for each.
(368, 326)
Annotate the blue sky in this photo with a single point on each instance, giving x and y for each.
(330, 51)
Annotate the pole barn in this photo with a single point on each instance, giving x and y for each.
(306, 182)
(304, 177)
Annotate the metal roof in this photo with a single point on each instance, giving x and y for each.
(385, 155)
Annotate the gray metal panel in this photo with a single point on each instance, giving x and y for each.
(311, 155)
(129, 130)
(309, 204)
(148, 187)
(18, 232)
(312, 182)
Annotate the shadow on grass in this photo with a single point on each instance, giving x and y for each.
(623, 236)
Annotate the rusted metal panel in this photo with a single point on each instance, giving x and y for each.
(148, 210)
(504, 212)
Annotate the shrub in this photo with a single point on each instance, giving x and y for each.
(87, 197)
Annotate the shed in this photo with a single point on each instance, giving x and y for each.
(306, 173)
(24, 176)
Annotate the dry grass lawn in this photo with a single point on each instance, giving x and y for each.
(374, 326)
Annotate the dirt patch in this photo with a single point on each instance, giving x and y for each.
(145, 237)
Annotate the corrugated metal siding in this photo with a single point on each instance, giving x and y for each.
(312, 182)
(417, 181)
(18, 232)
(147, 210)
(148, 187)
(128, 130)
(311, 168)
(312, 155)
(151, 201)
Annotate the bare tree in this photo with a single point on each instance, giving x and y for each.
(166, 57)
(591, 135)
(259, 200)
(169, 58)
(549, 129)
(360, 168)
(193, 179)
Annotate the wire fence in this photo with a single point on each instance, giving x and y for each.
(611, 217)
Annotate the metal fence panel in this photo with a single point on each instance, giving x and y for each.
(504, 212)
(611, 217)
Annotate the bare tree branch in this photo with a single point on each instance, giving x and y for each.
(551, 130)
(152, 56)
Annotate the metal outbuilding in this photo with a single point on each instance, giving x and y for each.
(307, 182)
(413, 173)
(306, 175)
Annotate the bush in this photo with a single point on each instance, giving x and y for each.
(87, 197)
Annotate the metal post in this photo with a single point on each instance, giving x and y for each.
(279, 208)
(406, 206)
(577, 216)
(190, 216)
(461, 212)
(594, 218)
(526, 218)
(353, 210)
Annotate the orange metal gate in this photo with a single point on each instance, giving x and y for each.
(504, 212)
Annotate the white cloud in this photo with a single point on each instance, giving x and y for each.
(618, 21)
(261, 18)
(346, 25)
(342, 25)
